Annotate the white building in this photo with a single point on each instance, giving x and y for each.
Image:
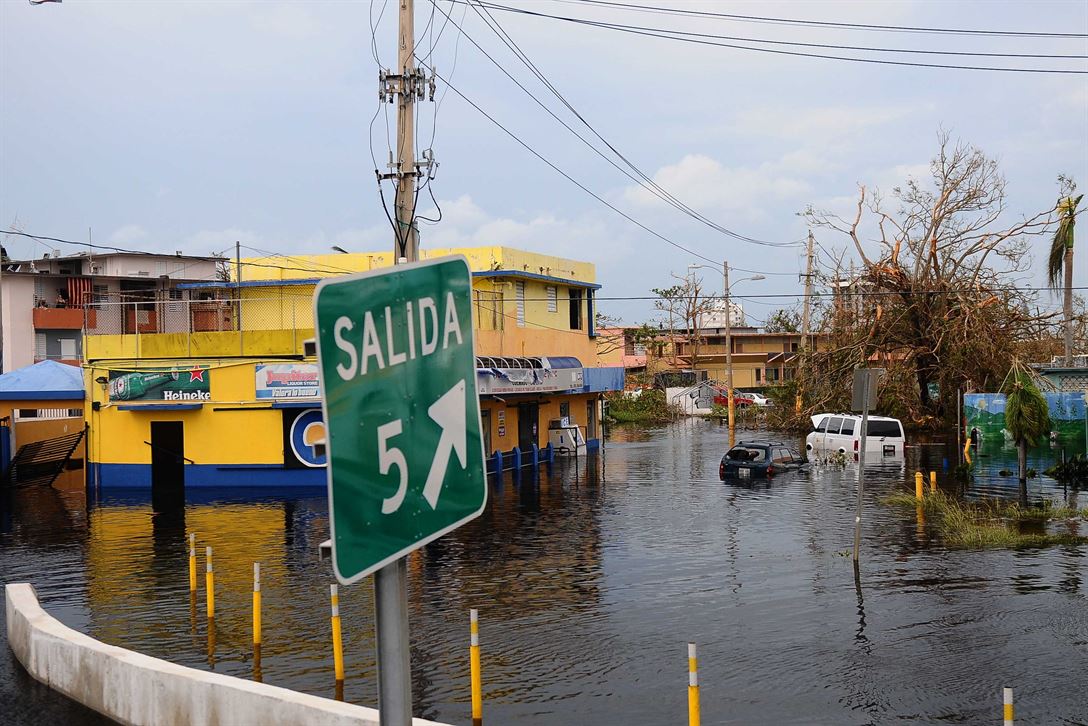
(715, 318)
(45, 304)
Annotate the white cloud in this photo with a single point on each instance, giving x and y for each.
(706, 184)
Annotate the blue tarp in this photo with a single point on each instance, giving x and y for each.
(47, 380)
(600, 380)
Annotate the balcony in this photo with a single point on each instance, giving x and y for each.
(63, 318)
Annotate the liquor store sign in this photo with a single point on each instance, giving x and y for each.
(287, 380)
(187, 384)
(402, 415)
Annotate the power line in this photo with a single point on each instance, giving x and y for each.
(640, 177)
(567, 176)
(826, 24)
(833, 46)
(751, 296)
(679, 37)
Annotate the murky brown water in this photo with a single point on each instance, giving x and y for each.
(590, 580)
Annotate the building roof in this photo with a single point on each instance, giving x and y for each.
(314, 280)
(47, 380)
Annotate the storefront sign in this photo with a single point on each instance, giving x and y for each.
(192, 384)
(287, 380)
(528, 380)
(502, 422)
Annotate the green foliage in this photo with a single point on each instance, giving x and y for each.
(1073, 470)
(989, 523)
(1027, 416)
(783, 321)
(1063, 238)
(650, 406)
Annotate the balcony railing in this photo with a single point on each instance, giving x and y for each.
(199, 316)
(63, 318)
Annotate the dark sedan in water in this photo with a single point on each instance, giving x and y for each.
(758, 459)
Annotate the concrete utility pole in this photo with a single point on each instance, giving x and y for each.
(406, 146)
(728, 345)
(807, 307)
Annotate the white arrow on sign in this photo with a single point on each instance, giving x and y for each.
(449, 413)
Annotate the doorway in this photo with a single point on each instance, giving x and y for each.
(528, 413)
(167, 464)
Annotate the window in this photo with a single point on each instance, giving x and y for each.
(553, 302)
(833, 425)
(100, 295)
(759, 373)
(782, 456)
(485, 425)
(793, 347)
(68, 349)
(564, 410)
(821, 428)
(575, 309)
(744, 453)
(847, 427)
(591, 419)
(884, 428)
(519, 292)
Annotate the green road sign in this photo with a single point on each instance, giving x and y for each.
(402, 416)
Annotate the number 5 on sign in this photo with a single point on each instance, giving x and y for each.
(402, 413)
(392, 457)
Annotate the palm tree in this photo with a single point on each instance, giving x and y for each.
(1061, 260)
(1027, 419)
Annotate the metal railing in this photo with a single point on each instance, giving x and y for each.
(141, 317)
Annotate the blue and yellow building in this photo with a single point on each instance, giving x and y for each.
(224, 393)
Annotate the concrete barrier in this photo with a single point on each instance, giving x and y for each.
(137, 689)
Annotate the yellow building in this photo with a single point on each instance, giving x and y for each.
(226, 395)
(759, 358)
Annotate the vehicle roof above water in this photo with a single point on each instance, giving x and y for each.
(762, 444)
(817, 418)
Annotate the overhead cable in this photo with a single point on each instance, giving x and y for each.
(823, 23)
(678, 36)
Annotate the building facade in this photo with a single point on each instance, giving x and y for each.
(759, 358)
(224, 393)
(48, 303)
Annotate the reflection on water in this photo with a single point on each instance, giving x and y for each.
(590, 579)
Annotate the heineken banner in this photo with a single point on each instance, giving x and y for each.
(174, 385)
(287, 380)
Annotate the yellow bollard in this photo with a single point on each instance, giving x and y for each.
(1009, 715)
(337, 643)
(192, 563)
(918, 493)
(474, 668)
(257, 607)
(693, 687)
(209, 583)
(967, 450)
(932, 482)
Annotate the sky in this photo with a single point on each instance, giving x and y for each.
(192, 125)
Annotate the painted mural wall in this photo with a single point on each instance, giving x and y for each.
(986, 413)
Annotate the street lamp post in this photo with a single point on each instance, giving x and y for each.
(728, 337)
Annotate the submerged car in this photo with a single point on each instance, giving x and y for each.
(757, 459)
(840, 433)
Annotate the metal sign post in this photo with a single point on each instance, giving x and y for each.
(866, 381)
(403, 434)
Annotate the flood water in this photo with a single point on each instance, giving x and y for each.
(590, 580)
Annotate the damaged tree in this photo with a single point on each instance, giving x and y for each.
(936, 299)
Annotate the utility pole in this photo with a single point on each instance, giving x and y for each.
(807, 307)
(728, 347)
(408, 241)
(806, 316)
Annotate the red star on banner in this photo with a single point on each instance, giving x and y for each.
(197, 374)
